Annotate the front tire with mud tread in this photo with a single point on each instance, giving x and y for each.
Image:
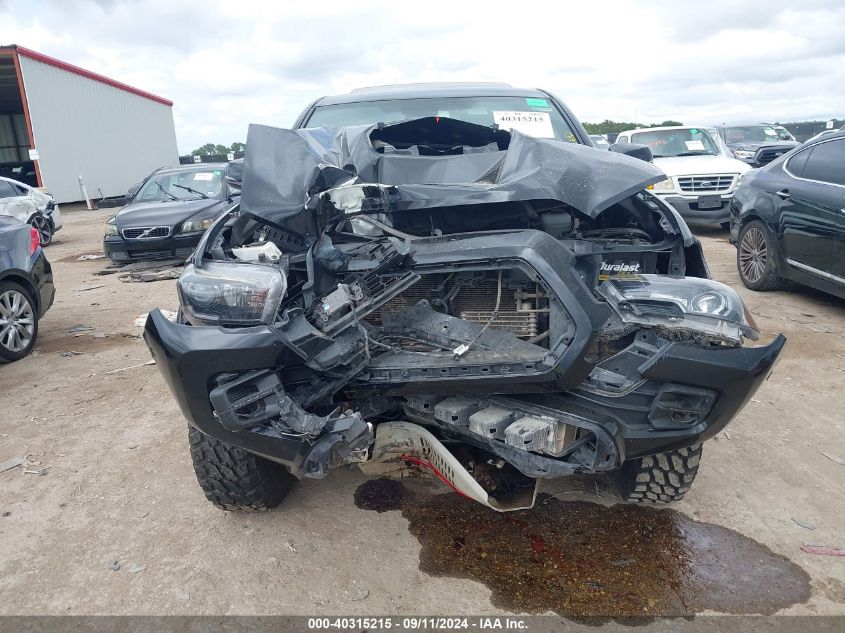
(661, 478)
(234, 479)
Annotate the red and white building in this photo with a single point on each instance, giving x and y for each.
(59, 122)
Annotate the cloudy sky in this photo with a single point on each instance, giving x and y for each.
(227, 63)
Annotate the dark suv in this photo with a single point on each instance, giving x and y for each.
(757, 144)
(451, 281)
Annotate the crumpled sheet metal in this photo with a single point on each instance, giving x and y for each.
(285, 170)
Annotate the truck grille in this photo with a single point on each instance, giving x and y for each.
(475, 304)
(766, 155)
(705, 184)
(146, 232)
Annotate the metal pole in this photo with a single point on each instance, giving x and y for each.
(85, 194)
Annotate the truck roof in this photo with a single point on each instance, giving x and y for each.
(666, 127)
(431, 90)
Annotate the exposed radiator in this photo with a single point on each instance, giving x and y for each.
(474, 303)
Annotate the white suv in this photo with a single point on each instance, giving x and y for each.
(701, 179)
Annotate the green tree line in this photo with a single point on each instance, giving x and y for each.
(211, 149)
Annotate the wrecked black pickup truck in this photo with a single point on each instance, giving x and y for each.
(443, 298)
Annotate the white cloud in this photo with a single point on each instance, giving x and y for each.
(228, 63)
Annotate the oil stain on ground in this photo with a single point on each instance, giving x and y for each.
(581, 559)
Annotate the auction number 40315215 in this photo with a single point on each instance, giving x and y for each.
(418, 623)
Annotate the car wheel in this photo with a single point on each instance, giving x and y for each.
(234, 479)
(18, 322)
(756, 257)
(44, 228)
(661, 478)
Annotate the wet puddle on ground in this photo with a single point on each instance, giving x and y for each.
(581, 559)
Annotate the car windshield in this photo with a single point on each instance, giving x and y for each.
(689, 141)
(751, 134)
(784, 134)
(182, 185)
(530, 115)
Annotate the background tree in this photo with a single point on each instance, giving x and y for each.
(211, 149)
(204, 150)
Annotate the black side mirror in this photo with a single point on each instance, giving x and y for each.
(636, 150)
(132, 191)
(234, 174)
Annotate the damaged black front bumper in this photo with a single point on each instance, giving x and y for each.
(624, 426)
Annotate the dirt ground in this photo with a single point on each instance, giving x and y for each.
(119, 485)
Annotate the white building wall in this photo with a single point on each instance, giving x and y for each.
(111, 137)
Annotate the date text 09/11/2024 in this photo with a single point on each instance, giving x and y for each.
(418, 623)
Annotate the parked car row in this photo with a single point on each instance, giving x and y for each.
(784, 202)
(700, 180)
(705, 165)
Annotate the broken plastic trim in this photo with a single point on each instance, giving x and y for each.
(396, 441)
(688, 304)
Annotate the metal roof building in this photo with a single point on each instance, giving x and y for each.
(59, 122)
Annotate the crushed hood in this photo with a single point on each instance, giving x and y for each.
(424, 163)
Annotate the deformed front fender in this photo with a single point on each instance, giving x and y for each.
(188, 356)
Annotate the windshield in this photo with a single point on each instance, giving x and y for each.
(599, 141)
(683, 142)
(784, 134)
(534, 116)
(182, 185)
(751, 134)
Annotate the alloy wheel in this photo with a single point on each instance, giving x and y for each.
(753, 255)
(17, 321)
(45, 231)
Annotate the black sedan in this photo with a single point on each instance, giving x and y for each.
(26, 288)
(168, 213)
(788, 219)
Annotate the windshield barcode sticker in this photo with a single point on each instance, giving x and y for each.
(538, 124)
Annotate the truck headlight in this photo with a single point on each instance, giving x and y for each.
(111, 227)
(710, 302)
(227, 293)
(743, 154)
(191, 226)
(700, 305)
(663, 185)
